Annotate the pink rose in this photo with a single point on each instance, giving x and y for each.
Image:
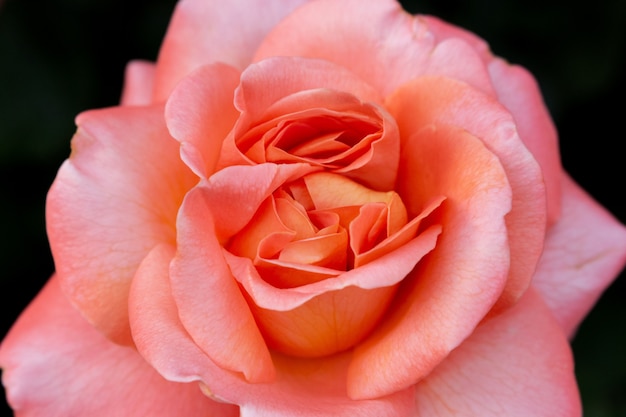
(314, 208)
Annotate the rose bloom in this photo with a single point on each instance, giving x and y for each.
(314, 208)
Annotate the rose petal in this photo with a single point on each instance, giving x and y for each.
(448, 294)
(316, 388)
(442, 100)
(264, 83)
(210, 304)
(311, 388)
(518, 91)
(265, 92)
(55, 364)
(200, 113)
(399, 46)
(385, 271)
(443, 30)
(138, 83)
(112, 201)
(518, 364)
(585, 250)
(201, 32)
(234, 194)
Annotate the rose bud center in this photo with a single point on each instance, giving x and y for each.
(312, 231)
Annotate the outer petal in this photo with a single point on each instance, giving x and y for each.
(518, 364)
(452, 289)
(311, 388)
(210, 304)
(392, 48)
(56, 365)
(584, 252)
(202, 32)
(114, 199)
(518, 91)
(440, 100)
(200, 113)
(138, 83)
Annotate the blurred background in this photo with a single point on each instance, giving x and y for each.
(60, 57)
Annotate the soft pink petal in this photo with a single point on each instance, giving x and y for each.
(56, 365)
(391, 48)
(443, 30)
(518, 91)
(112, 201)
(302, 388)
(235, 193)
(138, 83)
(203, 32)
(210, 304)
(517, 364)
(317, 388)
(200, 113)
(450, 291)
(585, 250)
(267, 81)
(440, 100)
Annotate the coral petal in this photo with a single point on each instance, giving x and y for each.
(202, 33)
(210, 304)
(518, 364)
(448, 294)
(55, 364)
(121, 188)
(200, 113)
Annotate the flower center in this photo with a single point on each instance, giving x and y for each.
(319, 226)
(308, 234)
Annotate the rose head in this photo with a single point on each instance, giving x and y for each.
(312, 208)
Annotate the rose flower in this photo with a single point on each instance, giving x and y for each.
(314, 208)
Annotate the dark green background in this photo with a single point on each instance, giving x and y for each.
(60, 57)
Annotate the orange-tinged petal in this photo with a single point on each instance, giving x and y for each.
(55, 364)
(265, 226)
(200, 113)
(368, 228)
(329, 191)
(439, 100)
(399, 238)
(210, 304)
(518, 91)
(295, 218)
(385, 271)
(329, 251)
(278, 273)
(448, 293)
(120, 189)
(307, 388)
(327, 324)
